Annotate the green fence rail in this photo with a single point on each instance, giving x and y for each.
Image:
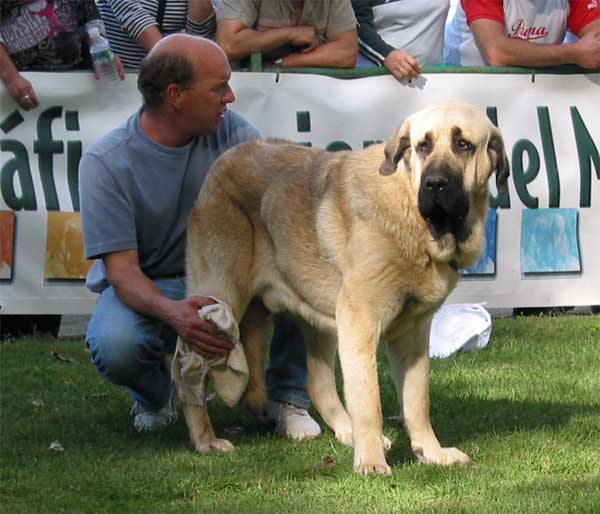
(256, 65)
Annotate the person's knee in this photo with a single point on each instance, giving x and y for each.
(115, 352)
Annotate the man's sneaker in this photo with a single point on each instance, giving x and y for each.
(292, 421)
(146, 420)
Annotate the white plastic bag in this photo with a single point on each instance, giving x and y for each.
(459, 326)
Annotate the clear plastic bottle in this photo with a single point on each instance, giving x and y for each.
(102, 57)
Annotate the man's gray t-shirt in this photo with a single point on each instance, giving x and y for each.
(137, 195)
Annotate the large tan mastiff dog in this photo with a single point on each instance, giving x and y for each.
(360, 246)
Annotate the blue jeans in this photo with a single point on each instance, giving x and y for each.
(131, 350)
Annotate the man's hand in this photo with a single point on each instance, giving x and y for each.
(22, 91)
(304, 36)
(402, 64)
(587, 53)
(202, 336)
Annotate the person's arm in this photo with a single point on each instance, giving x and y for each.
(398, 62)
(136, 21)
(141, 294)
(371, 42)
(340, 51)
(498, 49)
(201, 19)
(18, 87)
(200, 10)
(239, 41)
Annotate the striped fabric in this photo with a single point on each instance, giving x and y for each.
(125, 20)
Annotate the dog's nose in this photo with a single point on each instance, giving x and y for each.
(436, 183)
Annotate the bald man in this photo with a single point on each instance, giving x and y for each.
(137, 186)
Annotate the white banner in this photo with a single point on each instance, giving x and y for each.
(543, 238)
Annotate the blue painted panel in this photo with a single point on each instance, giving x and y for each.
(486, 265)
(549, 241)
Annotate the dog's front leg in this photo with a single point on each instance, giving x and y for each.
(201, 431)
(409, 361)
(358, 334)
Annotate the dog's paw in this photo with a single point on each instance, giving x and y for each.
(364, 468)
(214, 445)
(344, 438)
(387, 444)
(442, 456)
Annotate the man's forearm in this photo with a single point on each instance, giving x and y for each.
(142, 295)
(327, 55)
(516, 52)
(247, 41)
(8, 70)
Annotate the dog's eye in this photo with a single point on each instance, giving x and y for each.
(424, 147)
(464, 146)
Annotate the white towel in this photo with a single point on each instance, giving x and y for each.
(228, 373)
(459, 326)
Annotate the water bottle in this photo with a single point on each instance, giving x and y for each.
(102, 57)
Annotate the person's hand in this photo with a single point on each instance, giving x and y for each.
(401, 64)
(22, 91)
(118, 65)
(304, 36)
(202, 336)
(120, 68)
(588, 51)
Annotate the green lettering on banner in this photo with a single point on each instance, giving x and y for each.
(13, 120)
(501, 201)
(523, 177)
(549, 157)
(19, 165)
(46, 147)
(74, 150)
(338, 146)
(587, 153)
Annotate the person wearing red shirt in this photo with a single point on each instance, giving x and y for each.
(524, 33)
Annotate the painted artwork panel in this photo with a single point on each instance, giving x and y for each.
(486, 265)
(65, 254)
(7, 243)
(549, 241)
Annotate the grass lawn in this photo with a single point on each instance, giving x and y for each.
(526, 409)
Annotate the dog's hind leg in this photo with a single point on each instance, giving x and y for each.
(321, 349)
(409, 361)
(254, 335)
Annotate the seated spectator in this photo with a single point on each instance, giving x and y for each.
(42, 35)
(134, 27)
(291, 33)
(402, 35)
(523, 33)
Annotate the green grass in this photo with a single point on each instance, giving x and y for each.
(526, 409)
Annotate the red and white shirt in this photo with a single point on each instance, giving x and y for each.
(537, 21)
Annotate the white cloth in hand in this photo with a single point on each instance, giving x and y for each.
(228, 373)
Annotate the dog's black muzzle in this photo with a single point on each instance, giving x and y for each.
(443, 202)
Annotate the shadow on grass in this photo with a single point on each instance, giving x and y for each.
(459, 420)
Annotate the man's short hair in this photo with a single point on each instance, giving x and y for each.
(158, 71)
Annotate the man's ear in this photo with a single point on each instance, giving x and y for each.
(395, 148)
(173, 96)
(499, 160)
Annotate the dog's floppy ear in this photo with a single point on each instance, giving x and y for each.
(395, 148)
(499, 160)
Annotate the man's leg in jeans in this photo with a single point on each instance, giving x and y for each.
(286, 381)
(131, 350)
